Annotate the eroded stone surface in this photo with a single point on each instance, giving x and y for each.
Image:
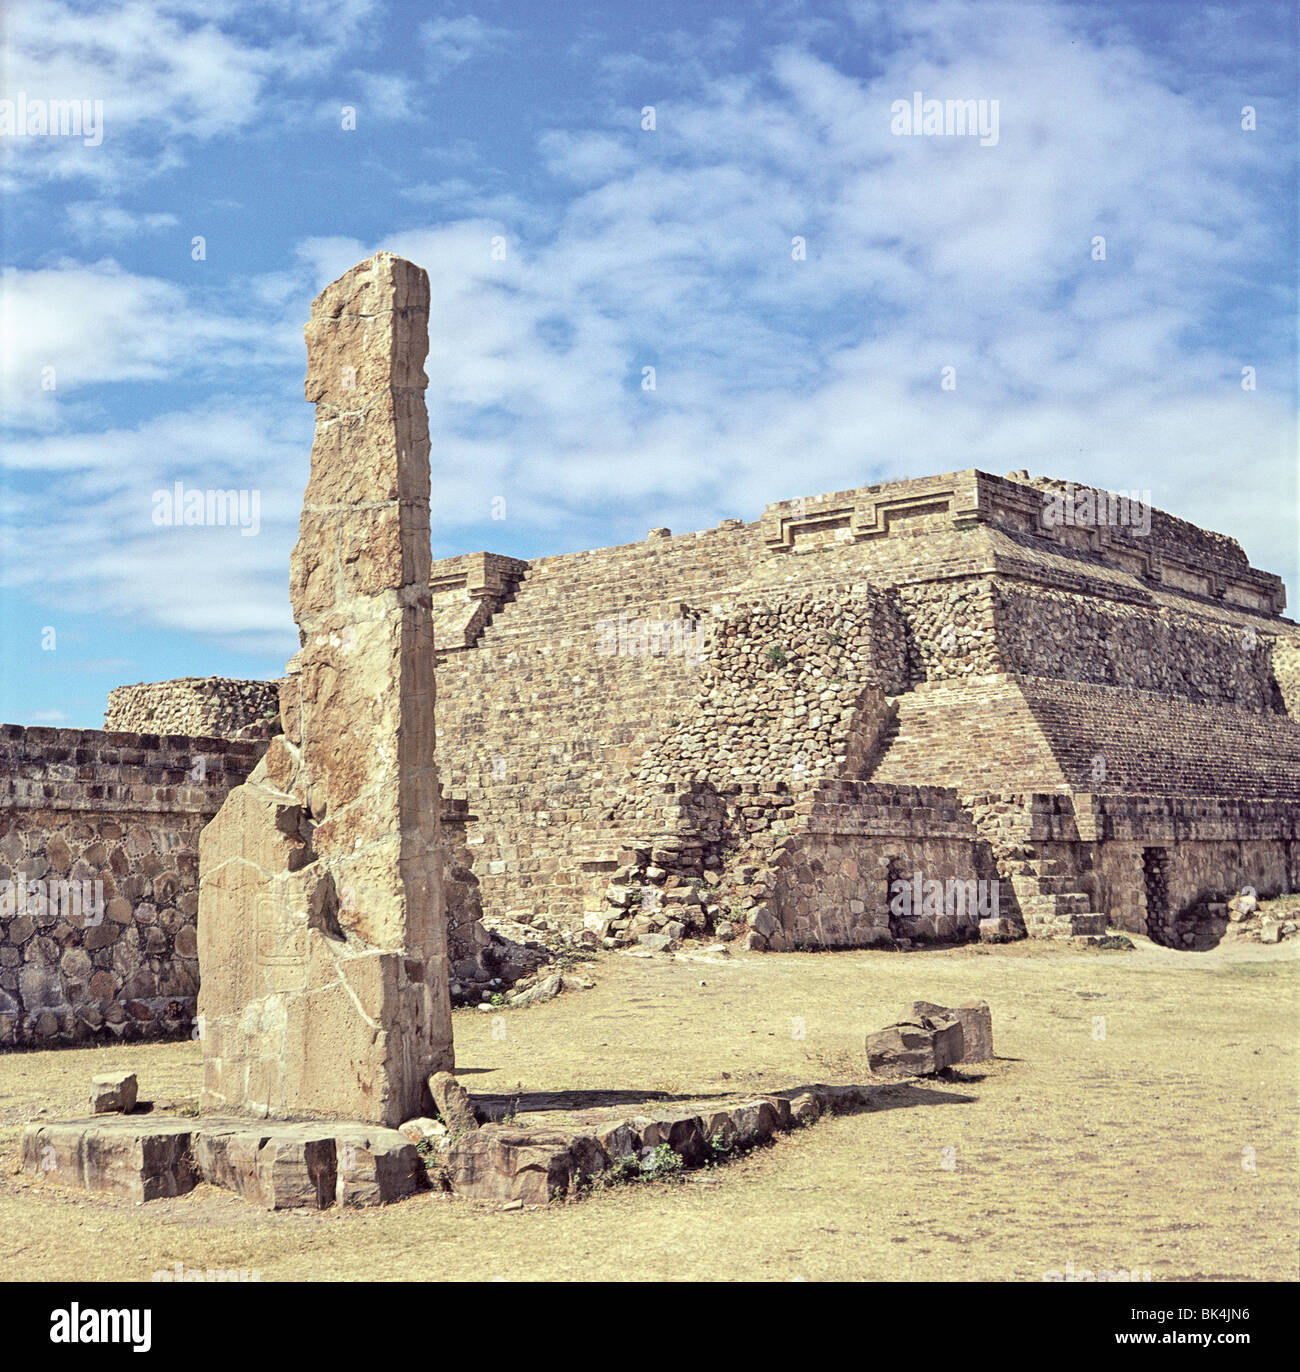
(551, 1152)
(138, 1159)
(975, 1018)
(453, 1103)
(322, 928)
(914, 1049)
(113, 1092)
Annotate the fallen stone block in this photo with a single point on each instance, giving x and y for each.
(547, 989)
(453, 1103)
(913, 1050)
(113, 1092)
(1243, 905)
(422, 1129)
(975, 1018)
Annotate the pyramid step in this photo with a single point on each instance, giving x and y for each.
(1081, 925)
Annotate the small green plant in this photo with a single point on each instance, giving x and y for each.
(498, 999)
(626, 1168)
(721, 1149)
(776, 655)
(663, 1164)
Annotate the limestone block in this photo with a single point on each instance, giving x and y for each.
(226, 1156)
(118, 1156)
(297, 1168)
(453, 1103)
(912, 1050)
(975, 1018)
(113, 1092)
(683, 1133)
(375, 1167)
(423, 1129)
(501, 1163)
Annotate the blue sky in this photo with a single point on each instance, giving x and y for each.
(128, 365)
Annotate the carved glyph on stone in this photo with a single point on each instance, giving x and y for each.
(322, 935)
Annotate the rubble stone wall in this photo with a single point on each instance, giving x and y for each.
(1049, 633)
(99, 879)
(209, 706)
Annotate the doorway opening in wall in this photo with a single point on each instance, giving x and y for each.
(1155, 881)
(896, 870)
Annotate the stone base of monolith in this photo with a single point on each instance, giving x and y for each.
(299, 1016)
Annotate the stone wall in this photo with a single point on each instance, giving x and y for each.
(781, 686)
(1286, 666)
(201, 707)
(99, 879)
(757, 720)
(1050, 633)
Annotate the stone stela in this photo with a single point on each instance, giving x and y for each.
(321, 916)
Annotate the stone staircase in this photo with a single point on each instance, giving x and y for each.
(1052, 900)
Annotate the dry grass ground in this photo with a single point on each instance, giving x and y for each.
(1141, 1115)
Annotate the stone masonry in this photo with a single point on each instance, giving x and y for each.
(204, 707)
(767, 727)
(321, 923)
(99, 879)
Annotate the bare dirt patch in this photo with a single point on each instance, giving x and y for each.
(1140, 1116)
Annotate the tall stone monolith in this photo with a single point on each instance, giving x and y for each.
(322, 937)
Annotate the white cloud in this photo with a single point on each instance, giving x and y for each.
(92, 516)
(69, 326)
(775, 377)
(169, 75)
(93, 220)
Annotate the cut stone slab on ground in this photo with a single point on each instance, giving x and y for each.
(530, 1152)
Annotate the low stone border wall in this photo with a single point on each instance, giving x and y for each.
(287, 1165)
